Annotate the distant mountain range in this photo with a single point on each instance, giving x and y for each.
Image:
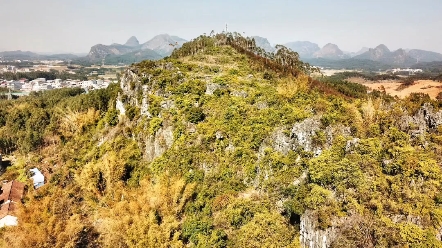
(132, 51)
(353, 54)
(424, 56)
(163, 45)
(330, 51)
(382, 54)
(305, 49)
(158, 47)
(264, 44)
(331, 54)
(26, 55)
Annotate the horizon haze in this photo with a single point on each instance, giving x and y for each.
(50, 26)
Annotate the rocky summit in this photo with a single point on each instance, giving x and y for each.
(329, 51)
(132, 42)
(382, 54)
(264, 43)
(164, 44)
(305, 49)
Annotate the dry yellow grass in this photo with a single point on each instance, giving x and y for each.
(289, 87)
(432, 88)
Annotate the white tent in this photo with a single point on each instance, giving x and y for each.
(38, 178)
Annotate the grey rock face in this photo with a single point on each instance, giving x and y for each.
(191, 128)
(351, 145)
(386, 162)
(332, 132)
(145, 103)
(433, 120)
(168, 66)
(130, 84)
(240, 93)
(400, 218)
(211, 87)
(301, 179)
(303, 133)
(157, 145)
(281, 142)
(119, 105)
(311, 236)
(424, 120)
(261, 105)
(230, 148)
(168, 104)
(302, 136)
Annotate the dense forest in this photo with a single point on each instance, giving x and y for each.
(225, 145)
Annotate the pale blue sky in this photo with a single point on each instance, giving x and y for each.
(76, 25)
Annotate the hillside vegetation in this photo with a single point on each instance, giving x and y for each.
(225, 145)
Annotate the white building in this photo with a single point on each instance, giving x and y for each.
(408, 70)
(39, 86)
(14, 85)
(40, 80)
(27, 86)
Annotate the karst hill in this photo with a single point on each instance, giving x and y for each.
(223, 144)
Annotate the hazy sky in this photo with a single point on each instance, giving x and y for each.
(76, 25)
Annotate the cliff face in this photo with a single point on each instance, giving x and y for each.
(312, 236)
(137, 94)
(425, 120)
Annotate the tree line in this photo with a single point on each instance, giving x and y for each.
(284, 60)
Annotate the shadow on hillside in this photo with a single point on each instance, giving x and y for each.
(4, 165)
